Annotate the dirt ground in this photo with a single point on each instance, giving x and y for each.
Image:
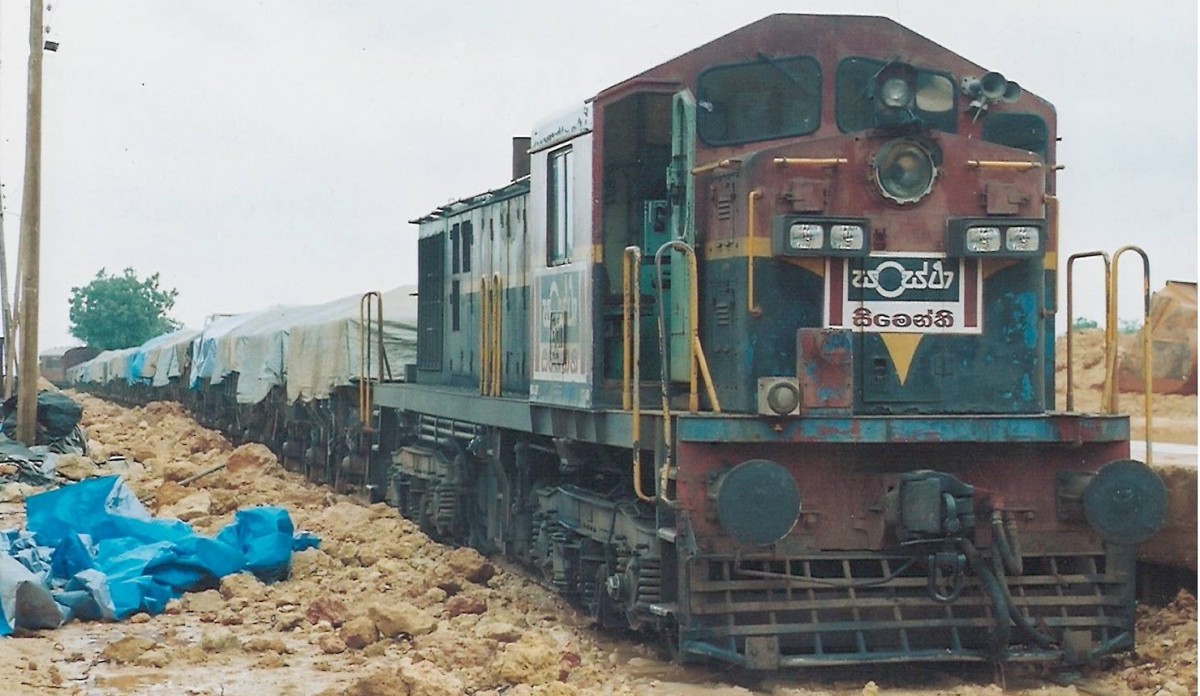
(381, 609)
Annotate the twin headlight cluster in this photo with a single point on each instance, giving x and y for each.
(994, 237)
(809, 236)
(826, 236)
(987, 239)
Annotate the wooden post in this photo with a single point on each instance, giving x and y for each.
(6, 315)
(31, 222)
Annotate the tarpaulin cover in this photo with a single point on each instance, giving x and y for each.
(160, 355)
(257, 349)
(91, 550)
(324, 351)
(57, 415)
(206, 361)
(311, 349)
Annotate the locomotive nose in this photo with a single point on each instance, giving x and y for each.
(757, 501)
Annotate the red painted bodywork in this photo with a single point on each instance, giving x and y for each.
(829, 39)
(842, 488)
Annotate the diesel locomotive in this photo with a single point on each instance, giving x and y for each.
(755, 350)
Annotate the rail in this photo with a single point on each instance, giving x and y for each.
(719, 164)
(1109, 396)
(1018, 165)
(497, 332)
(370, 311)
(698, 365)
(697, 361)
(785, 162)
(751, 198)
(1147, 366)
(631, 332)
(491, 304)
(1109, 353)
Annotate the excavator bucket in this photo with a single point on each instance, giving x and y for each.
(1172, 328)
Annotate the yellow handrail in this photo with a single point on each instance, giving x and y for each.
(1105, 403)
(750, 199)
(631, 253)
(809, 161)
(720, 164)
(1021, 166)
(497, 334)
(364, 359)
(631, 331)
(698, 360)
(1147, 360)
(484, 345)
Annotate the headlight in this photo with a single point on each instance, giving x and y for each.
(896, 93)
(806, 235)
(983, 239)
(1021, 239)
(892, 89)
(783, 398)
(846, 237)
(904, 170)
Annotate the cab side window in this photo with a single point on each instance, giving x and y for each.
(559, 207)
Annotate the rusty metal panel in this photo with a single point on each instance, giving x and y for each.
(807, 195)
(845, 608)
(825, 368)
(1004, 198)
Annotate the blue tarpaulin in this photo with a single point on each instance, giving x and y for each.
(96, 551)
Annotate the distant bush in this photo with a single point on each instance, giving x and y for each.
(1125, 327)
(1128, 326)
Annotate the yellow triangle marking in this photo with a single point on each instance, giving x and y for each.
(901, 348)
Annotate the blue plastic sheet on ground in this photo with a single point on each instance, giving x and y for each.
(99, 554)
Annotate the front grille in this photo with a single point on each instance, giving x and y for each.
(826, 609)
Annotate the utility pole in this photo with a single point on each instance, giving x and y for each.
(31, 223)
(6, 317)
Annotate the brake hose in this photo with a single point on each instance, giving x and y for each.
(1006, 543)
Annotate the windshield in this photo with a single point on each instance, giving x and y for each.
(934, 105)
(767, 99)
(1020, 130)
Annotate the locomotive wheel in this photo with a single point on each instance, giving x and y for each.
(670, 644)
(603, 608)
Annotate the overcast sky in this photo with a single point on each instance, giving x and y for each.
(272, 152)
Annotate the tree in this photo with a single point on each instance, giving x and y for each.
(121, 311)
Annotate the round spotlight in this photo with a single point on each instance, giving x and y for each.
(896, 93)
(757, 502)
(904, 170)
(783, 398)
(1126, 502)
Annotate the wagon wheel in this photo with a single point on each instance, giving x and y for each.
(670, 644)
